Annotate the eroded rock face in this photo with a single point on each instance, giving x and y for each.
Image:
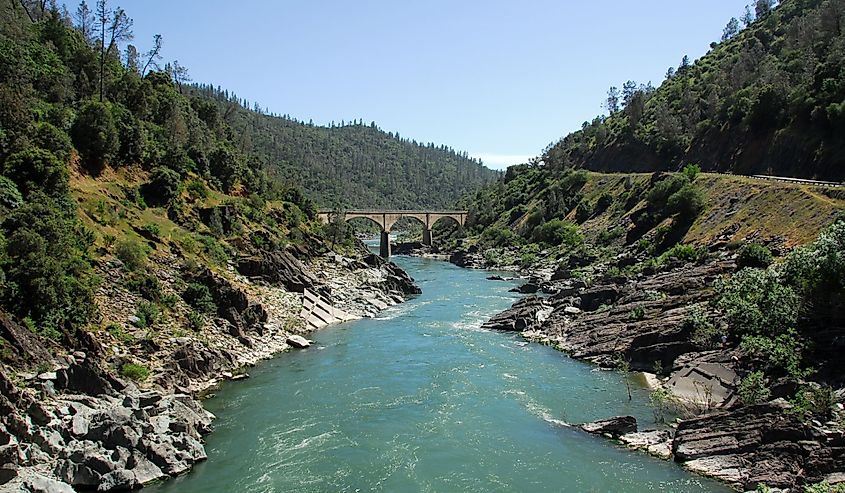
(659, 336)
(525, 314)
(279, 268)
(759, 444)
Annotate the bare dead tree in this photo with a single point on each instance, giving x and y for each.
(85, 21)
(153, 56)
(179, 74)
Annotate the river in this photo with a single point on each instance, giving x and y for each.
(421, 399)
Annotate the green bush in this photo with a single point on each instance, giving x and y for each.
(686, 253)
(637, 313)
(135, 372)
(607, 236)
(703, 332)
(147, 314)
(163, 187)
(95, 135)
(494, 237)
(780, 355)
(196, 321)
(48, 137)
(214, 251)
(688, 202)
(196, 189)
(10, 196)
(755, 302)
(691, 171)
(754, 255)
(144, 284)
(46, 264)
(558, 232)
(37, 169)
(754, 389)
(817, 272)
(152, 228)
(132, 253)
(659, 194)
(199, 297)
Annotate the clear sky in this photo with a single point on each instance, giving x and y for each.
(498, 79)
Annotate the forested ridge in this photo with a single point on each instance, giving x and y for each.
(351, 164)
(768, 98)
(107, 152)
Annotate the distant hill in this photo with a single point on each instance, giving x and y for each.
(767, 99)
(353, 164)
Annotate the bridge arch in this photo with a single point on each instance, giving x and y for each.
(387, 218)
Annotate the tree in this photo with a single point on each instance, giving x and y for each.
(85, 21)
(180, 74)
(763, 8)
(153, 56)
(612, 101)
(163, 187)
(685, 63)
(747, 17)
(731, 29)
(118, 27)
(95, 135)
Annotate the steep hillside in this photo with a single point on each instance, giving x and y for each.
(769, 99)
(352, 165)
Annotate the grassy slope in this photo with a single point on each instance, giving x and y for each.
(738, 207)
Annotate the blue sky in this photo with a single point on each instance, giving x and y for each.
(498, 79)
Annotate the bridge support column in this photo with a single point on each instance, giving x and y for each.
(384, 245)
(426, 237)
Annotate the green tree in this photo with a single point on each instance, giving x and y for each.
(755, 302)
(95, 135)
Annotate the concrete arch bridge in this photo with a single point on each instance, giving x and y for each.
(387, 218)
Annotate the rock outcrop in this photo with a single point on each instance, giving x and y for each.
(615, 427)
(279, 268)
(759, 444)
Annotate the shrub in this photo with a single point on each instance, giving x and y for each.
(10, 196)
(136, 372)
(661, 191)
(754, 389)
(754, 255)
(163, 186)
(37, 169)
(214, 250)
(494, 237)
(686, 253)
(48, 137)
(637, 313)
(688, 202)
(755, 302)
(607, 236)
(196, 189)
(147, 314)
(95, 135)
(132, 253)
(195, 321)
(703, 332)
(691, 171)
(559, 232)
(199, 297)
(780, 355)
(152, 228)
(659, 399)
(817, 272)
(144, 284)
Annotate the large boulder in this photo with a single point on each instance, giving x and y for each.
(614, 427)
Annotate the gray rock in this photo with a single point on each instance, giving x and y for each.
(40, 484)
(298, 341)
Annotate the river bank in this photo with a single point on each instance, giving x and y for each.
(592, 310)
(78, 423)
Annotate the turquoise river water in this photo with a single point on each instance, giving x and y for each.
(421, 399)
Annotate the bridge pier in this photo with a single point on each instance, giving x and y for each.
(384, 244)
(426, 236)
